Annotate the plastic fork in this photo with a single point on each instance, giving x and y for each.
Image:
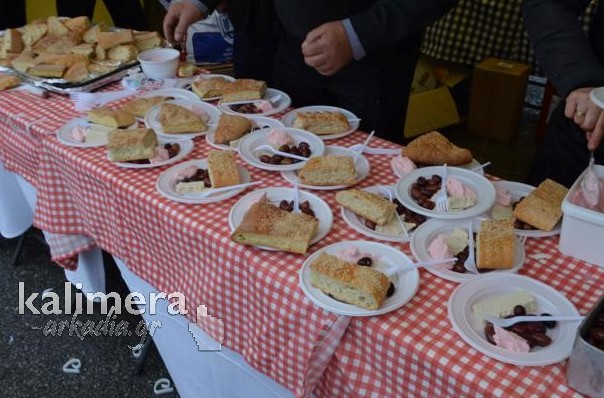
(420, 264)
(87, 101)
(277, 152)
(360, 151)
(212, 191)
(272, 99)
(470, 263)
(482, 166)
(296, 198)
(505, 322)
(398, 217)
(442, 200)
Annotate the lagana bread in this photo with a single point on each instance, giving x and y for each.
(222, 169)
(243, 90)
(264, 224)
(542, 208)
(328, 170)
(364, 287)
(433, 148)
(209, 88)
(111, 118)
(496, 244)
(321, 123)
(140, 106)
(134, 144)
(175, 119)
(368, 205)
(231, 128)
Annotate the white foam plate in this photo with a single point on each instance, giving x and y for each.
(64, 133)
(356, 223)
(280, 105)
(485, 192)
(176, 93)
(428, 231)
(186, 146)
(258, 123)
(165, 187)
(276, 195)
(518, 190)
(353, 120)
(548, 300)
(474, 163)
(248, 148)
(209, 76)
(385, 258)
(597, 96)
(210, 113)
(362, 168)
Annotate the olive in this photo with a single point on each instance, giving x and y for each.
(284, 205)
(265, 159)
(365, 262)
(519, 310)
(437, 178)
(284, 148)
(391, 290)
(422, 181)
(489, 332)
(207, 183)
(540, 339)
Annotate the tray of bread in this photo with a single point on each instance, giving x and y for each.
(66, 55)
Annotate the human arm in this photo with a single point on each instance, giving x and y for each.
(181, 14)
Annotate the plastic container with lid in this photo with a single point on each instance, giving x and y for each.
(582, 234)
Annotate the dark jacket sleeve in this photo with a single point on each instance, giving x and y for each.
(562, 48)
(388, 21)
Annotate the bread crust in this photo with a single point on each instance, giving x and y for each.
(542, 208)
(368, 205)
(364, 287)
(433, 148)
(265, 224)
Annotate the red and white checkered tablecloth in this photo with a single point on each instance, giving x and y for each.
(178, 247)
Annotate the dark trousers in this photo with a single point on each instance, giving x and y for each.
(253, 55)
(125, 13)
(562, 155)
(375, 88)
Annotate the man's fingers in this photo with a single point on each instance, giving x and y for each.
(316, 61)
(595, 137)
(170, 22)
(315, 34)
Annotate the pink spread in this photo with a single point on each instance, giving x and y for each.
(510, 341)
(503, 198)
(264, 106)
(439, 249)
(78, 133)
(278, 138)
(188, 172)
(352, 255)
(456, 188)
(402, 165)
(161, 155)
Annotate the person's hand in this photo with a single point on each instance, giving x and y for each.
(587, 115)
(327, 48)
(178, 19)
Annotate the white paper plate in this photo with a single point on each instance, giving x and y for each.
(258, 123)
(164, 184)
(428, 231)
(548, 300)
(362, 168)
(518, 190)
(485, 192)
(355, 222)
(64, 133)
(288, 119)
(209, 76)
(249, 143)
(212, 114)
(176, 93)
(186, 146)
(597, 96)
(406, 283)
(474, 163)
(282, 104)
(276, 195)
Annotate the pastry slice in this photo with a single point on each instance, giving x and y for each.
(495, 245)
(222, 169)
(244, 90)
(80, 24)
(127, 145)
(321, 123)
(56, 27)
(210, 88)
(7, 82)
(111, 118)
(49, 71)
(265, 224)
(90, 36)
(107, 40)
(364, 287)
(186, 69)
(542, 208)
(123, 53)
(77, 72)
(368, 205)
(231, 128)
(175, 119)
(328, 170)
(12, 43)
(33, 32)
(140, 106)
(147, 40)
(433, 148)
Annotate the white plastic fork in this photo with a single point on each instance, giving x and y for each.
(505, 322)
(86, 101)
(419, 264)
(442, 200)
(212, 191)
(398, 217)
(267, 147)
(470, 263)
(296, 198)
(272, 99)
(360, 151)
(480, 167)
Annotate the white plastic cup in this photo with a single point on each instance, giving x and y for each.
(159, 63)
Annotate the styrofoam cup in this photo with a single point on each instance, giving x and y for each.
(159, 63)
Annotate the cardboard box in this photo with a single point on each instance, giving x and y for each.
(431, 105)
(497, 99)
